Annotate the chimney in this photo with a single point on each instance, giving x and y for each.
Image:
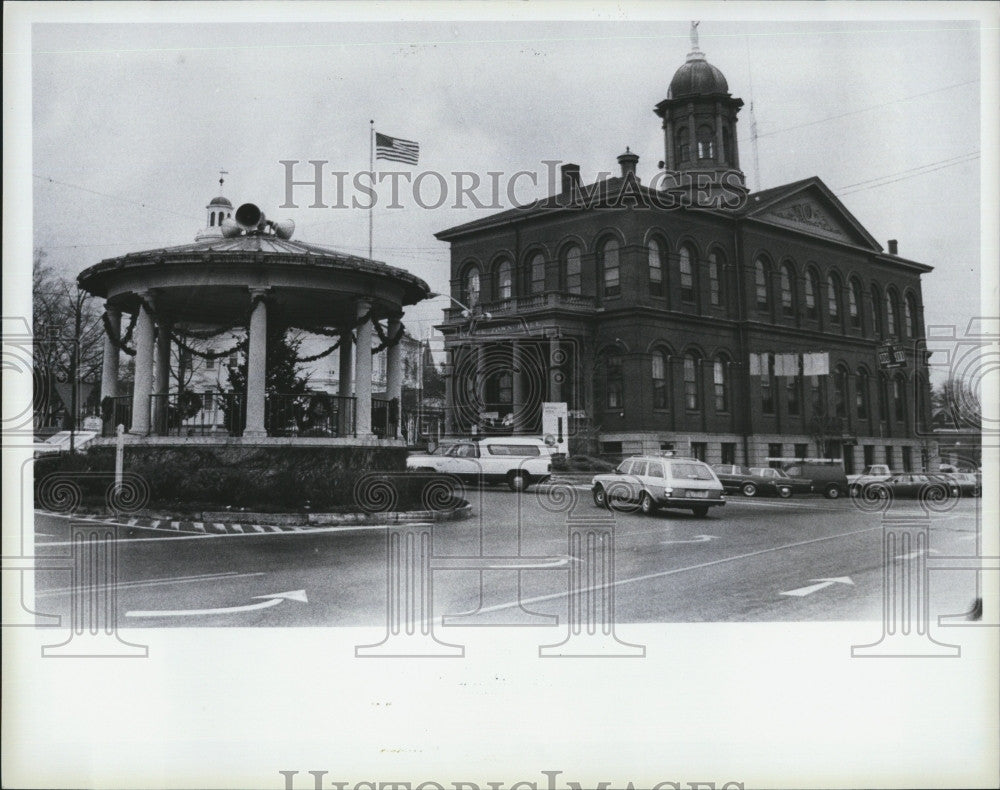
(893, 247)
(570, 178)
(628, 161)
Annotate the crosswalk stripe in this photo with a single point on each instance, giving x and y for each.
(219, 527)
(274, 528)
(256, 528)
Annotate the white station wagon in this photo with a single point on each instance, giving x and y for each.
(517, 461)
(652, 481)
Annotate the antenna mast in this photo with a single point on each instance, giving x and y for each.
(753, 126)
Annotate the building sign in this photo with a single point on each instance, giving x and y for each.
(555, 424)
(891, 355)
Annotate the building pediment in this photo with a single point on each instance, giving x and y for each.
(813, 209)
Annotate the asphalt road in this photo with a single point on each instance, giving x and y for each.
(761, 560)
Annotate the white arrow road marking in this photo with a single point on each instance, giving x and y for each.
(267, 603)
(916, 553)
(822, 583)
(695, 539)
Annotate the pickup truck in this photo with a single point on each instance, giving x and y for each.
(875, 473)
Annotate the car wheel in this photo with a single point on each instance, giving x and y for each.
(854, 491)
(832, 492)
(784, 492)
(748, 489)
(646, 504)
(600, 496)
(701, 511)
(517, 481)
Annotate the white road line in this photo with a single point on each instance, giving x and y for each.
(157, 582)
(673, 571)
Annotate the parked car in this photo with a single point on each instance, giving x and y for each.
(517, 461)
(969, 483)
(827, 474)
(913, 485)
(753, 481)
(873, 473)
(650, 482)
(798, 485)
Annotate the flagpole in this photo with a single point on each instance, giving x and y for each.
(371, 168)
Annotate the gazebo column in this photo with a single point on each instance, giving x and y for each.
(109, 368)
(143, 386)
(363, 372)
(345, 418)
(161, 378)
(449, 391)
(257, 367)
(394, 372)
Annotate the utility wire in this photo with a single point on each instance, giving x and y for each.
(911, 175)
(113, 197)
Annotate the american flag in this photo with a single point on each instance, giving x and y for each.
(395, 149)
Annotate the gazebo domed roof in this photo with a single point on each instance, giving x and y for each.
(220, 201)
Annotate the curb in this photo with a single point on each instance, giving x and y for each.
(229, 523)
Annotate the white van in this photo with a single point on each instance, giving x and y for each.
(515, 460)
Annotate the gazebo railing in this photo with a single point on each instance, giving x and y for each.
(115, 411)
(310, 414)
(194, 414)
(385, 417)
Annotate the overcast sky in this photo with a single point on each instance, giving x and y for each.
(886, 113)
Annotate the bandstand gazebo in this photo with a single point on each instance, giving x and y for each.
(240, 275)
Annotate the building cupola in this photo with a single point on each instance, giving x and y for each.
(699, 128)
(218, 209)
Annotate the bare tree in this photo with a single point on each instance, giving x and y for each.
(955, 404)
(69, 342)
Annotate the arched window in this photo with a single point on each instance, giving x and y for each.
(910, 313)
(840, 391)
(861, 394)
(505, 280)
(767, 384)
(610, 266)
(812, 288)
(899, 398)
(686, 266)
(537, 266)
(720, 382)
(655, 268)
(833, 297)
(854, 302)
(211, 220)
(706, 142)
(883, 398)
(505, 388)
(572, 270)
(793, 390)
(817, 401)
(877, 311)
(787, 297)
(614, 384)
(716, 296)
(761, 271)
(692, 392)
(661, 366)
(470, 287)
(682, 148)
(890, 312)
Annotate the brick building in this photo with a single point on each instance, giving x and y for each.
(689, 314)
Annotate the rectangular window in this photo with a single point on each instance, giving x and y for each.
(210, 363)
(666, 447)
(907, 459)
(615, 384)
(655, 470)
(714, 286)
(802, 451)
(611, 448)
(612, 284)
(890, 461)
(767, 385)
(869, 453)
(520, 450)
(698, 451)
(774, 451)
(792, 395)
(729, 452)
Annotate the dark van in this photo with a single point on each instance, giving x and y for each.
(827, 474)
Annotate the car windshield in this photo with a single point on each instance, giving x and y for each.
(689, 471)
